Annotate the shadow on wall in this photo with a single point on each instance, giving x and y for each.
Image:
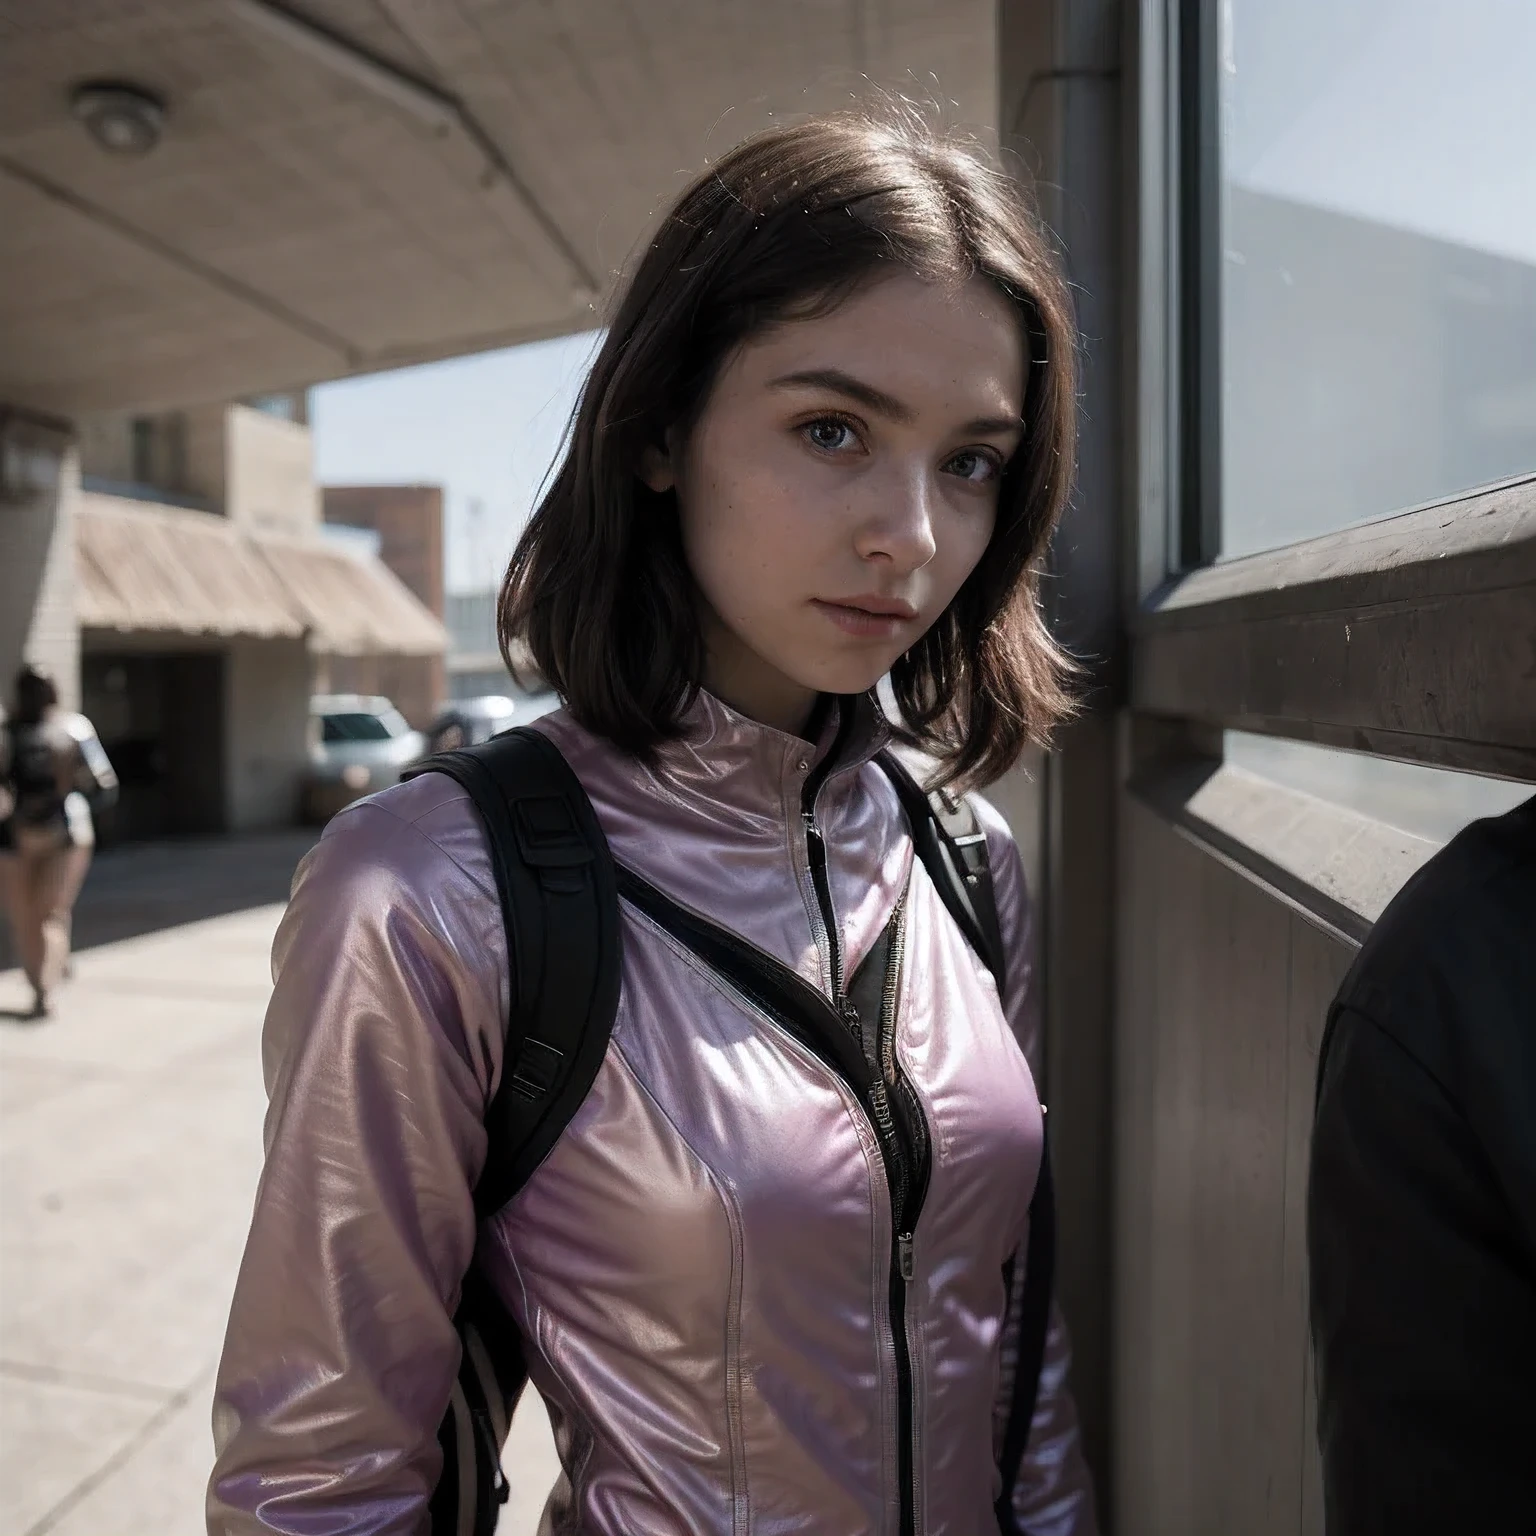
(148, 887)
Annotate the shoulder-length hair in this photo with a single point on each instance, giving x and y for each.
(785, 227)
(33, 695)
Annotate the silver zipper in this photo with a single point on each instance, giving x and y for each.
(824, 917)
(892, 986)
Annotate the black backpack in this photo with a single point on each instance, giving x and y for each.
(32, 774)
(559, 889)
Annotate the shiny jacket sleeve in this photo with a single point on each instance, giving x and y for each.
(1053, 1493)
(380, 1049)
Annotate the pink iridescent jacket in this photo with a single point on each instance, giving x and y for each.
(701, 1268)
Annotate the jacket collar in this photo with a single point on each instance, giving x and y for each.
(724, 764)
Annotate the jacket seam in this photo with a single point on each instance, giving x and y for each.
(720, 984)
(740, 1498)
(503, 970)
(878, 1283)
(542, 1323)
(800, 871)
(413, 823)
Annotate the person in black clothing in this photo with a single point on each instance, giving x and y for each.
(1422, 1203)
(51, 764)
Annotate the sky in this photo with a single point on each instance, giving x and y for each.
(1416, 114)
(486, 428)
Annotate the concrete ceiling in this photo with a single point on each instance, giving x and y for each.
(347, 185)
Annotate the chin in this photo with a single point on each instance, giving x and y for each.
(850, 675)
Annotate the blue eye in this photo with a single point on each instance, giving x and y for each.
(975, 466)
(829, 434)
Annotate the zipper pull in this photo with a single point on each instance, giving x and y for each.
(849, 1011)
(904, 1255)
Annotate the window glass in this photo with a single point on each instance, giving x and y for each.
(361, 727)
(1378, 230)
(1434, 803)
(286, 407)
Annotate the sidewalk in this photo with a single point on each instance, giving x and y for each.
(130, 1143)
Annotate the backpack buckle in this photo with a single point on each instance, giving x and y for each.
(547, 834)
(536, 1070)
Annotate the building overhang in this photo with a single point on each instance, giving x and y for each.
(149, 573)
(336, 188)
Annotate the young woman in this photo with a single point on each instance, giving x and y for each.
(824, 442)
(50, 760)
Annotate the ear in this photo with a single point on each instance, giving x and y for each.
(657, 469)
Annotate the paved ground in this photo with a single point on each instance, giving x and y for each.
(130, 1141)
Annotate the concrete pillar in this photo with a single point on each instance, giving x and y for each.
(267, 686)
(37, 580)
(1061, 113)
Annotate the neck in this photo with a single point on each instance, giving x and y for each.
(737, 676)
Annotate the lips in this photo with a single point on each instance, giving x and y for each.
(873, 603)
(867, 617)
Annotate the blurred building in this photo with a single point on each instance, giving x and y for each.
(474, 657)
(406, 524)
(208, 608)
(475, 662)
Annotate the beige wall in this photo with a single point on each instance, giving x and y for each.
(415, 685)
(409, 522)
(106, 447)
(269, 473)
(204, 444)
(37, 585)
(255, 468)
(1223, 994)
(266, 723)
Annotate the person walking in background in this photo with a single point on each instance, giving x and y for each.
(1422, 1203)
(50, 762)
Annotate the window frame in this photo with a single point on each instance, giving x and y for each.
(1267, 642)
(1408, 636)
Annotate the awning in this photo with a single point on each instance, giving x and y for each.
(352, 604)
(144, 567)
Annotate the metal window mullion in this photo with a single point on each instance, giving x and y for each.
(1199, 282)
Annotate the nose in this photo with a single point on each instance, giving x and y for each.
(898, 529)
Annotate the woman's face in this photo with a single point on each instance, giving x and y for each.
(841, 484)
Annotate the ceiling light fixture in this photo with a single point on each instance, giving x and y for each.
(123, 119)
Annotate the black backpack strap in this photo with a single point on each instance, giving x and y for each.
(949, 840)
(1034, 1327)
(560, 906)
(554, 875)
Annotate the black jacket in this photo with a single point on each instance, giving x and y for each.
(1422, 1204)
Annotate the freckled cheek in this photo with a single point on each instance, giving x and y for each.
(965, 543)
(738, 546)
(750, 519)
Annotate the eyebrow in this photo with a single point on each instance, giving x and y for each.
(845, 384)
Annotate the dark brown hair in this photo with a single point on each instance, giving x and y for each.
(786, 226)
(33, 695)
